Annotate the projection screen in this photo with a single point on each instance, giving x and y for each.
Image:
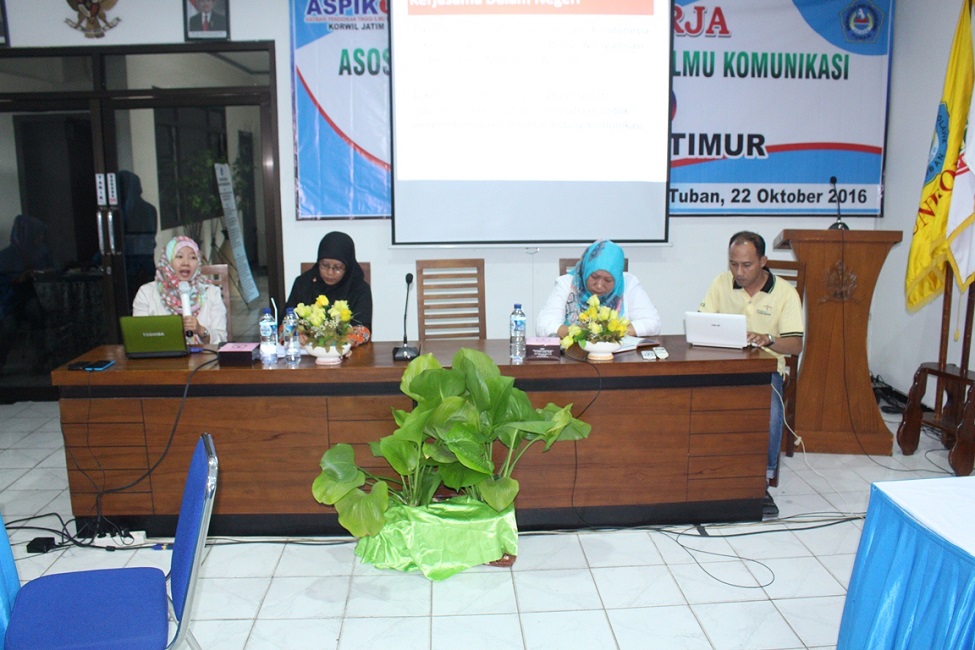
(529, 121)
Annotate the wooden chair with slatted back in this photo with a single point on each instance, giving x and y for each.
(450, 299)
(793, 273)
(219, 274)
(566, 263)
(365, 266)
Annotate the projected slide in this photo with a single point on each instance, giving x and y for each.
(521, 121)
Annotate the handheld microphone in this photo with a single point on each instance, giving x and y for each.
(184, 295)
(406, 352)
(838, 224)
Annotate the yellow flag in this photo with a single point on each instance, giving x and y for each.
(929, 246)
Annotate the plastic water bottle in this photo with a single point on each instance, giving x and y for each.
(292, 343)
(269, 338)
(517, 333)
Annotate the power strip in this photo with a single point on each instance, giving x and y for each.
(134, 538)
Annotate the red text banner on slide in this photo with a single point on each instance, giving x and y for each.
(546, 7)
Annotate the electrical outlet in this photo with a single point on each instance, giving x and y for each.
(135, 538)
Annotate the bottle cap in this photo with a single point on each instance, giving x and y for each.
(266, 310)
(517, 305)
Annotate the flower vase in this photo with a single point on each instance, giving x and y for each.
(600, 350)
(328, 356)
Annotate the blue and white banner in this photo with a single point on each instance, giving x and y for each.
(774, 98)
(340, 57)
(771, 100)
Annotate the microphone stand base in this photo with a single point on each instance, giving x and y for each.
(405, 353)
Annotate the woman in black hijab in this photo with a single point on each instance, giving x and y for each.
(337, 276)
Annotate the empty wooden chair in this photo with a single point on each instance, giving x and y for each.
(450, 299)
(219, 274)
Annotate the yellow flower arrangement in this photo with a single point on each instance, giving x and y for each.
(596, 323)
(323, 325)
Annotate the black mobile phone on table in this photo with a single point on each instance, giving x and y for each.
(91, 366)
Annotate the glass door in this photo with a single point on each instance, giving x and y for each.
(168, 186)
(107, 153)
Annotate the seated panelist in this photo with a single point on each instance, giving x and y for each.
(337, 276)
(598, 272)
(180, 262)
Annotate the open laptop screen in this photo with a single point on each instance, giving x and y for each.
(153, 336)
(716, 330)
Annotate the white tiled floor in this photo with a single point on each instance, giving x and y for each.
(777, 584)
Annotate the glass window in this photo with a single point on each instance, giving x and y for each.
(187, 70)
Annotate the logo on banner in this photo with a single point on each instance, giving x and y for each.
(318, 10)
(861, 20)
(939, 145)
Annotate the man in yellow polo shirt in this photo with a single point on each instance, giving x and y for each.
(773, 313)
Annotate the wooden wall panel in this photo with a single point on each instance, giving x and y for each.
(726, 488)
(721, 444)
(723, 398)
(268, 449)
(99, 434)
(129, 503)
(101, 410)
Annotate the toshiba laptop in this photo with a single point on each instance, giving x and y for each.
(716, 330)
(153, 336)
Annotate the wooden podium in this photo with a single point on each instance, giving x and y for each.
(836, 410)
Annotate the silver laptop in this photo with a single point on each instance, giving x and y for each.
(716, 330)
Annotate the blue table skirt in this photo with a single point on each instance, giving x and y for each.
(910, 587)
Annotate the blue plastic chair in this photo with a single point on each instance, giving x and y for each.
(123, 608)
(9, 579)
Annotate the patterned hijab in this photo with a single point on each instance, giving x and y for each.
(167, 281)
(602, 255)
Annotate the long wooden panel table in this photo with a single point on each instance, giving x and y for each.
(676, 441)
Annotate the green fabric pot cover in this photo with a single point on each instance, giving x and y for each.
(441, 539)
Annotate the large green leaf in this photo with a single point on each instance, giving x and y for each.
(477, 369)
(515, 407)
(567, 427)
(429, 482)
(436, 384)
(453, 410)
(471, 454)
(499, 492)
(512, 433)
(327, 490)
(411, 428)
(456, 476)
(363, 514)
(339, 462)
(402, 455)
(438, 452)
(416, 366)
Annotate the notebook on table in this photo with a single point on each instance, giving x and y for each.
(716, 330)
(153, 336)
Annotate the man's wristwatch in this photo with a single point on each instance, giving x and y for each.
(206, 334)
(771, 340)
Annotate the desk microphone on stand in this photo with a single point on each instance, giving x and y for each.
(838, 224)
(406, 352)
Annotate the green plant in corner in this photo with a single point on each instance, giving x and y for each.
(462, 417)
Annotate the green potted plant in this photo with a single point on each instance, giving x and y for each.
(463, 416)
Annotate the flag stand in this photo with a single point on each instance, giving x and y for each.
(954, 410)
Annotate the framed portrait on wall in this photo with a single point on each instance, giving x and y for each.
(206, 20)
(4, 32)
